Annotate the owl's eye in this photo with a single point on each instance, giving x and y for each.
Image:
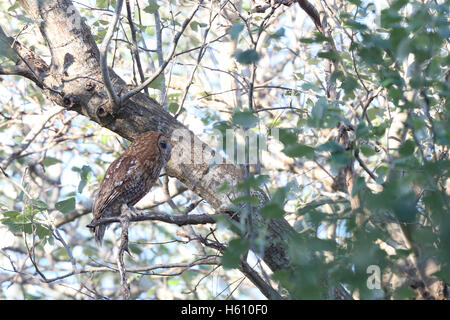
(163, 144)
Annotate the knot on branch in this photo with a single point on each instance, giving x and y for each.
(104, 115)
(71, 102)
(89, 86)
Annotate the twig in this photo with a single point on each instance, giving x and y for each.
(200, 55)
(208, 260)
(29, 138)
(363, 165)
(125, 222)
(135, 45)
(280, 108)
(161, 68)
(159, 54)
(113, 97)
(188, 228)
(200, 47)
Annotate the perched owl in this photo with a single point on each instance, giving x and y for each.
(130, 177)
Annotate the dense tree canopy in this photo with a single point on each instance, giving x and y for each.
(310, 148)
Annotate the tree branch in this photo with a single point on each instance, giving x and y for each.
(179, 220)
(312, 13)
(134, 44)
(125, 222)
(163, 66)
(113, 97)
(269, 292)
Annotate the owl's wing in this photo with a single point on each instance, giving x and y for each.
(120, 173)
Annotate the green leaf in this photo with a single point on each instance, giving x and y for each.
(246, 57)
(330, 146)
(85, 174)
(14, 6)
(232, 256)
(398, 4)
(253, 182)
(299, 150)
(49, 161)
(407, 148)
(390, 18)
(306, 40)
(371, 55)
(309, 86)
(405, 208)
(358, 186)
(338, 74)
(5, 49)
(152, 7)
(367, 151)
(224, 187)
(42, 231)
(194, 25)
(150, 30)
(400, 42)
(245, 118)
(349, 84)
(253, 200)
(443, 274)
(66, 206)
(355, 2)
(380, 130)
(318, 113)
(235, 30)
(134, 248)
(362, 130)
(287, 136)
(279, 196)
(355, 25)
(278, 34)
(173, 107)
(404, 292)
(372, 113)
(157, 83)
(330, 55)
(11, 214)
(101, 3)
(318, 38)
(39, 205)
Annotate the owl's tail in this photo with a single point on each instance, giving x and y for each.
(99, 232)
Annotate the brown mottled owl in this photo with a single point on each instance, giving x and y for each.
(130, 177)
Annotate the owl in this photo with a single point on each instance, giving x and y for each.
(130, 177)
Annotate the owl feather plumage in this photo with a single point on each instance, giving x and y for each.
(130, 177)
